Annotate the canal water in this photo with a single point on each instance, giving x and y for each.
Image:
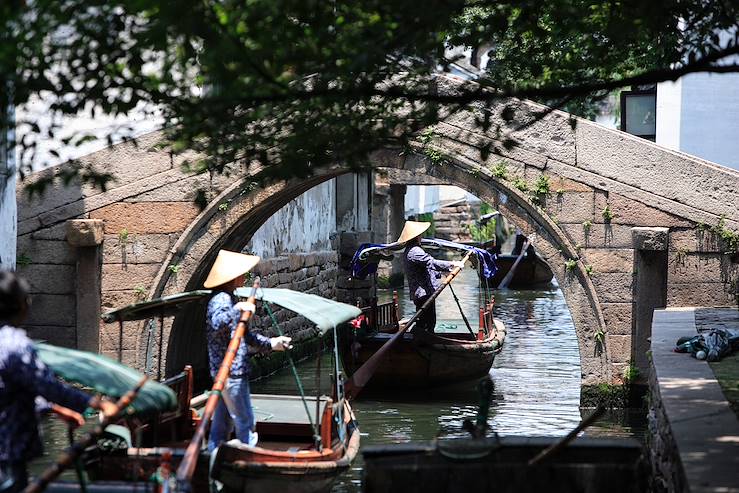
(536, 376)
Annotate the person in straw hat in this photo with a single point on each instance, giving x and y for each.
(422, 271)
(222, 316)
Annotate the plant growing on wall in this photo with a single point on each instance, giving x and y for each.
(600, 341)
(22, 260)
(140, 292)
(586, 225)
(607, 214)
(500, 170)
(570, 264)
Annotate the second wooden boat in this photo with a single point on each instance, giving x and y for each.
(420, 359)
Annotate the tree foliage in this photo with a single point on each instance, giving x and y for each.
(285, 86)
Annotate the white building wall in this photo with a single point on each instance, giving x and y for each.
(8, 212)
(710, 117)
(669, 105)
(303, 225)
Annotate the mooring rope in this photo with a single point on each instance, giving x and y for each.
(276, 325)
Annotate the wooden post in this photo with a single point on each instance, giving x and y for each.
(396, 307)
(481, 332)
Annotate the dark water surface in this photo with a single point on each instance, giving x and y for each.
(536, 375)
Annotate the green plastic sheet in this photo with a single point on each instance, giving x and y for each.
(325, 313)
(107, 377)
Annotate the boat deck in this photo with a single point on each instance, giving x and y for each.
(285, 408)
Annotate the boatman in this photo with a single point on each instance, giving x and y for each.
(422, 271)
(222, 317)
(23, 378)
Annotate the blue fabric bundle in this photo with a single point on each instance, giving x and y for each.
(368, 256)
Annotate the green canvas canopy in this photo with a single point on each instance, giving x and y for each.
(325, 313)
(166, 306)
(107, 377)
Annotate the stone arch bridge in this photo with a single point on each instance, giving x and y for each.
(626, 225)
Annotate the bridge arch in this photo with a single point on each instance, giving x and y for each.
(591, 172)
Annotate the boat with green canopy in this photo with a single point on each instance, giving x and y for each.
(305, 441)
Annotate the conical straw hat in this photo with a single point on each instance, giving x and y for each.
(411, 229)
(228, 266)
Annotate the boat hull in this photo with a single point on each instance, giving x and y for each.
(463, 465)
(531, 272)
(425, 361)
(244, 471)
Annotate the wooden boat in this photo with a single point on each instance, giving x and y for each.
(501, 464)
(286, 458)
(297, 451)
(533, 271)
(421, 359)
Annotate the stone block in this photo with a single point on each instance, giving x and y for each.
(85, 232)
(285, 277)
(118, 277)
(618, 317)
(280, 264)
(146, 217)
(619, 348)
(46, 251)
(312, 271)
(599, 235)
(296, 261)
(112, 300)
(137, 248)
(613, 287)
(706, 294)
(609, 259)
(571, 207)
(694, 240)
(654, 239)
(300, 274)
(632, 161)
(628, 211)
(699, 267)
(109, 334)
(52, 310)
(56, 335)
(49, 278)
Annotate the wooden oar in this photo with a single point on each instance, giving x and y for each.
(74, 451)
(356, 382)
(509, 277)
(190, 459)
(554, 448)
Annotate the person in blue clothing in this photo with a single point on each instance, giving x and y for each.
(422, 272)
(24, 378)
(222, 316)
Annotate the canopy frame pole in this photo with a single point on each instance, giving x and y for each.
(187, 466)
(120, 339)
(161, 343)
(299, 383)
(461, 312)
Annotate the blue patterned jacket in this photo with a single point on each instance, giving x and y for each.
(423, 271)
(24, 377)
(221, 320)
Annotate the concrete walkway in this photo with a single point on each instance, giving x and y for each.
(704, 429)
